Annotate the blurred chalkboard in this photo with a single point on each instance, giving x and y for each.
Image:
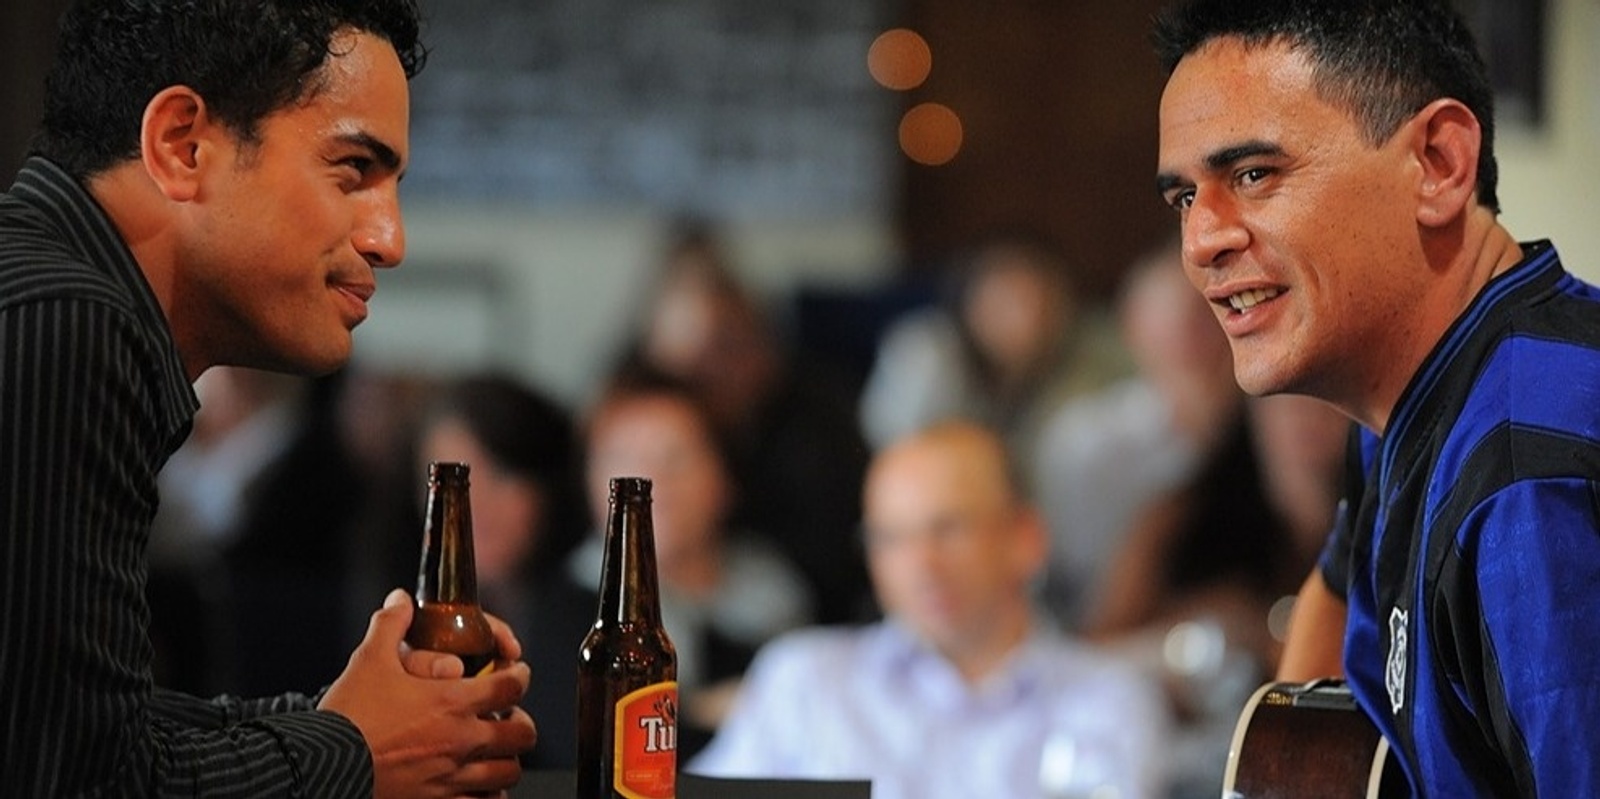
(714, 107)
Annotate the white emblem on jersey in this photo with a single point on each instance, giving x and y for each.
(1394, 675)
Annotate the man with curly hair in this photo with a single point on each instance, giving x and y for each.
(215, 182)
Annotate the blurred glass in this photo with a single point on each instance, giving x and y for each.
(1076, 765)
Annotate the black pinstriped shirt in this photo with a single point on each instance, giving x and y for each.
(93, 399)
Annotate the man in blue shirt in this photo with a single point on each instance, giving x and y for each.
(1332, 164)
(962, 691)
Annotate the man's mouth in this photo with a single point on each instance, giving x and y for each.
(361, 291)
(356, 296)
(1250, 298)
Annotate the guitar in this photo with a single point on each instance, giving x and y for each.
(1309, 741)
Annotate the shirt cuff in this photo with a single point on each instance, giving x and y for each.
(327, 753)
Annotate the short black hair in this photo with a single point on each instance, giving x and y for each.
(247, 58)
(529, 434)
(1384, 60)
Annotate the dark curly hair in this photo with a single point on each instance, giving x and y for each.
(1381, 59)
(247, 58)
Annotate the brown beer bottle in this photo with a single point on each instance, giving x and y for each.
(627, 668)
(448, 618)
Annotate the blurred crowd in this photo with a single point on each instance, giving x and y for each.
(1050, 518)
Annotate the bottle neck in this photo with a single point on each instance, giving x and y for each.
(449, 571)
(629, 588)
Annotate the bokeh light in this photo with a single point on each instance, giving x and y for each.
(899, 59)
(930, 134)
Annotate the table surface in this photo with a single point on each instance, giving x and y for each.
(563, 784)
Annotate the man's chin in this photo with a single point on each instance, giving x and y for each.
(1258, 377)
(329, 363)
(939, 629)
(313, 361)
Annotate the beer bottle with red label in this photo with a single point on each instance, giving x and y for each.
(627, 668)
(448, 618)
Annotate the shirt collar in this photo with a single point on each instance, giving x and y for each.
(84, 229)
(902, 657)
(1539, 269)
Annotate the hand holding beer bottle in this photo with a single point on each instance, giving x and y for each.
(427, 738)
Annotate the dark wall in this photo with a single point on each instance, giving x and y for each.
(27, 36)
(1058, 103)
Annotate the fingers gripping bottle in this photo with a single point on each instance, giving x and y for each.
(627, 668)
(448, 618)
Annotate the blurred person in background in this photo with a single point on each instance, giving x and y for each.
(378, 410)
(962, 690)
(256, 512)
(1201, 589)
(245, 422)
(529, 511)
(723, 595)
(1016, 342)
(794, 452)
(1103, 456)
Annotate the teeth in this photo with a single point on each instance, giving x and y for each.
(1246, 300)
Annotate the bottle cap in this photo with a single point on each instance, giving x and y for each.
(448, 471)
(630, 488)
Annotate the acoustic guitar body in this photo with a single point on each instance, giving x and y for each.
(1309, 741)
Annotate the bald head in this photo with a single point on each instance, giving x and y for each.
(952, 547)
(947, 456)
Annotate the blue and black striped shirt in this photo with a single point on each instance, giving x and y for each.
(93, 399)
(1472, 567)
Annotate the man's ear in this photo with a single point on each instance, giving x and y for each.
(174, 140)
(1447, 140)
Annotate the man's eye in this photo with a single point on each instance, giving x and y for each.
(1180, 201)
(1254, 175)
(357, 170)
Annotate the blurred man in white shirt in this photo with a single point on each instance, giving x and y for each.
(957, 692)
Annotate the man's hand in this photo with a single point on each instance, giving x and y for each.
(432, 737)
(439, 665)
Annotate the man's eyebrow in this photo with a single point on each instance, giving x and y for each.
(1220, 161)
(1228, 156)
(1167, 181)
(384, 154)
